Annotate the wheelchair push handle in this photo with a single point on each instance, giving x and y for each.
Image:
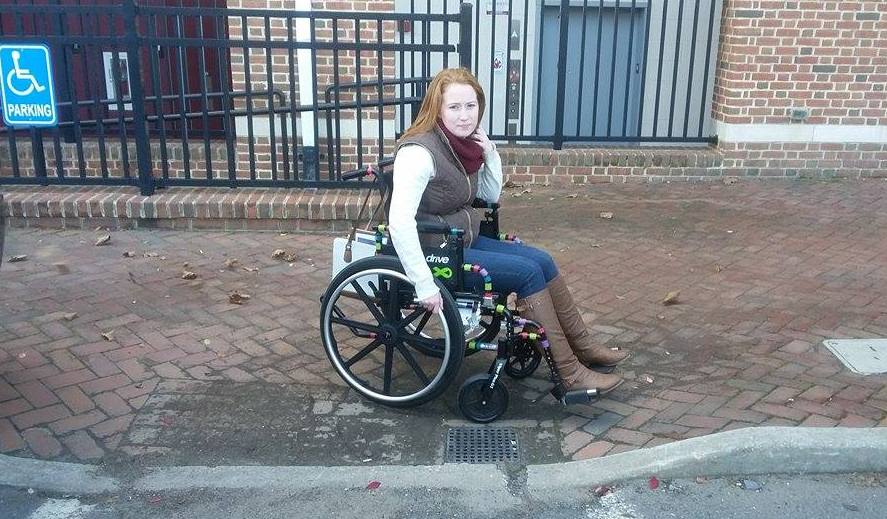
(370, 170)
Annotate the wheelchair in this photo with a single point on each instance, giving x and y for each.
(387, 347)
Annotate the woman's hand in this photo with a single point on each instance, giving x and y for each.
(480, 136)
(433, 304)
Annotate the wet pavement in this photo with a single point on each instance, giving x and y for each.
(164, 370)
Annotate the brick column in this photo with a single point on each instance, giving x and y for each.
(800, 88)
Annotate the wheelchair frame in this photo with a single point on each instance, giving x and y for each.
(380, 287)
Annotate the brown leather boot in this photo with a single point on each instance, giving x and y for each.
(591, 354)
(539, 308)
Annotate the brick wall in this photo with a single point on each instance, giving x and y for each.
(827, 61)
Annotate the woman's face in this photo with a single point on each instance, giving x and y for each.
(459, 109)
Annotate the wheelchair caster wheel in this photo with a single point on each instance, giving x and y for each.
(479, 403)
(524, 360)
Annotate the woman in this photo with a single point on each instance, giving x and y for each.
(445, 160)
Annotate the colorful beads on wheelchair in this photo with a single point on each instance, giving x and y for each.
(381, 227)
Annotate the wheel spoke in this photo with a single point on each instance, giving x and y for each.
(415, 340)
(368, 302)
(341, 315)
(356, 324)
(369, 348)
(389, 359)
(412, 362)
(422, 323)
(412, 317)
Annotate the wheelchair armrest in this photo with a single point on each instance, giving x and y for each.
(437, 228)
(480, 203)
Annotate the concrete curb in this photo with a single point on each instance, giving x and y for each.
(763, 450)
(54, 476)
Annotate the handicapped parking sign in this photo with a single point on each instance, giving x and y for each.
(27, 94)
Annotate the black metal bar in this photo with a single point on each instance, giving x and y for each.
(201, 67)
(224, 67)
(338, 101)
(597, 66)
(579, 98)
(659, 73)
(523, 75)
(121, 108)
(143, 145)
(158, 101)
(477, 41)
(272, 121)
(314, 174)
(359, 95)
(628, 65)
(249, 98)
(642, 98)
(465, 34)
(690, 74)
(446, 36)
(99, 107)
(402, 85)
(561, 76)
(379, 94)
(613, 68)
(674, 74)
(702, 110)
(180, 60)
(38, 155)
(72, 94)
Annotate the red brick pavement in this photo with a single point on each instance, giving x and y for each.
(765, 271)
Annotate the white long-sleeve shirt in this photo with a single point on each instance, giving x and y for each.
(413, 169)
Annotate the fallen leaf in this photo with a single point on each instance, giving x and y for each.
(70, 316)
(103, 240)
(251, 269)
(129, 254)
(163, 257)
(700, 480)
(22, 355)
(671, 298)
(602, 490)
(574, 195)
(289, 258)
(730, 180)
(606, 215)
(108, 336)
(647, 378)
(16, 259)
(278, 253)
(238, 298)
(151, 254)
(654, 483)
(718, 268)
(373, 485)
(231, 263)
(189, 275)
(660, 316)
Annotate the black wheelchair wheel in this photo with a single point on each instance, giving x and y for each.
(479, 403)
(523, 361)
(372, 332)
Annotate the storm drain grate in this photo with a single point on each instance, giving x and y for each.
(482, 445)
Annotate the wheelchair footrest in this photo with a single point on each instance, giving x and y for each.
(578, 396)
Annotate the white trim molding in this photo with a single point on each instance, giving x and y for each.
(812, 133)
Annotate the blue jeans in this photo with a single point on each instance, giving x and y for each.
(513, 268)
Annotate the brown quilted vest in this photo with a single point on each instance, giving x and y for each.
(450, 192)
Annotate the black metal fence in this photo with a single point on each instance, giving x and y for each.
(153, 94)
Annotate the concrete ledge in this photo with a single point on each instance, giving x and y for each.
(763, 450)
(185, 208)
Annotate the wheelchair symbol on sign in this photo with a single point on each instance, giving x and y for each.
(21, 75)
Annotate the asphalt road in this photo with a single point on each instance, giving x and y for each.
(811, 497)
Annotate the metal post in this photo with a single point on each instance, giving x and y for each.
(561, 76)
(465, 35)
(39, 156)
(143, 145)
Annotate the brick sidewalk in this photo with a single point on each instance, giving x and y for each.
(766, 271)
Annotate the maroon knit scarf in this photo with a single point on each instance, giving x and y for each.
(468, 151)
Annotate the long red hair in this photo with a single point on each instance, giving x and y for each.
(430, 109)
